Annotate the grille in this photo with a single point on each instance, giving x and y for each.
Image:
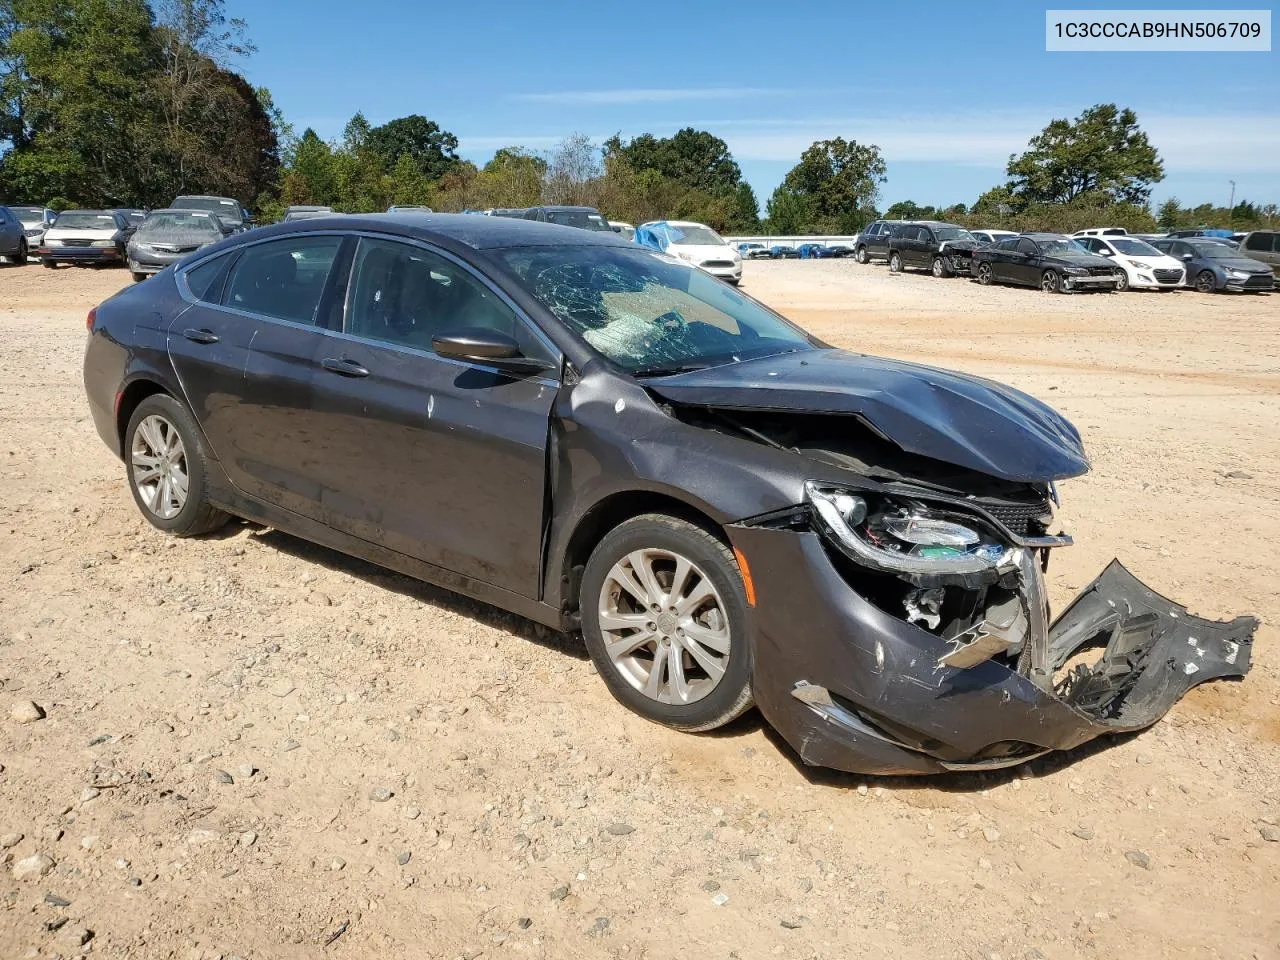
(1018, 517)
(717, 263)
(76, 243)
(1167, 276)
(1101, 272)
(1260, 281)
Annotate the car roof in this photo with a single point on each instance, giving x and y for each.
(96, 212)
(563, 206)
(479, 233)
(205, 196)
(1047, 236)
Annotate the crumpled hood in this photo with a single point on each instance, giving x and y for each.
(960, 419)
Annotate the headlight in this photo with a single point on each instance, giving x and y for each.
(1140, 264)
(103, 243)
(34, 232)
(1237, 275)
(52, 243)
(900, 535)
(1076, 271)
(684, 256)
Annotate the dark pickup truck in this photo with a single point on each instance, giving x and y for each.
(941, 248)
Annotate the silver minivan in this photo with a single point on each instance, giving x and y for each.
(1262, 245)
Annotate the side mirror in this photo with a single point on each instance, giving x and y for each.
(616, 229)
(1188, 256)
(1107, 253)
(489, 347)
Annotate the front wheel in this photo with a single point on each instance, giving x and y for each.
(664, 616)
(20, 257)
(167, 472)
(1122, 281)
(1206, 282)
(138, 276)
(48, 263)
(895, 262)
(1050, 282)
(984, 274)
(940, 268)
(861, 255)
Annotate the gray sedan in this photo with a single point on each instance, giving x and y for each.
(166, 236)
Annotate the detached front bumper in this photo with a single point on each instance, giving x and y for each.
(1074, 283)
(855, 688)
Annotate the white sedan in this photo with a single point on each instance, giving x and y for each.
(1144, 267)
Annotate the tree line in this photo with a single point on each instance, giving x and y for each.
(130, 103)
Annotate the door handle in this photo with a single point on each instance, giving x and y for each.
(344, 367)
(200, 336)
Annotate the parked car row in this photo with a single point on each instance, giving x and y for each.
(1101, 258)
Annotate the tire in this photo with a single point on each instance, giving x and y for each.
(151, 427)
(895, 262)
(940, 269)
(984, 274)
(138, 276)
(1206, 282)
(19, 258)
(861, 255)
(1050, 282)
(48, 263)
(658, 543)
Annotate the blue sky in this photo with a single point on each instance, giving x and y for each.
(947, 90)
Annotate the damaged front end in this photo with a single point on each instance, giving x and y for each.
(927, 644)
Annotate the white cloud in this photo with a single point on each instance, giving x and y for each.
(653, 95)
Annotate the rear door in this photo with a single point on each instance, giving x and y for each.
(245, 355)
(436, 458)
(1025, 267)
(1004, 259)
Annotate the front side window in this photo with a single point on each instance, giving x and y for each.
(647, 312)
(283, 279)
(405, 295)
(1028, 247)
(1260, 241)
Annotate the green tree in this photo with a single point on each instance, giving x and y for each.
(1170, 214)
(696, 159)
(839, 180)
(313, 174)
(910, 210)
(744, 216)
(432, 149)
(789, 211)
(1102, 153)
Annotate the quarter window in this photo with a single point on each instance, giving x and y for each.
(405, 295)
(283, 279)
(205, 281)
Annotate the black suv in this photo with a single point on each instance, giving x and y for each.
(944, 249)
(873, 241)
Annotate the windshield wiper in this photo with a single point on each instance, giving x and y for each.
(670, 369)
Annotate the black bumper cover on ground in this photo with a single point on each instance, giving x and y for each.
(897, 711)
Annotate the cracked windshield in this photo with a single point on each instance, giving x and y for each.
(649, 313)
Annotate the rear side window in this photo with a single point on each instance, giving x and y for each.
(1264, 242)
(283, 279)
(205, 281)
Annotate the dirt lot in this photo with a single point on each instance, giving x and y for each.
(225, 717)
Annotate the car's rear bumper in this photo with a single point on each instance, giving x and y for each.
(852, 687)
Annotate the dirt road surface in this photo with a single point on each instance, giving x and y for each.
(251, 746)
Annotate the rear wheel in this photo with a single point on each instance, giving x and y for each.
(984, 274)
(1050, 282)
(167, 472)
(861, 255)
(1206, 282)
(664, 616)
(940, 268)
(895, 262)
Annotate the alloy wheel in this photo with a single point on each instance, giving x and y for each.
(1049, 282)
(1205, 282)
(939, 268)
(984, 274)
(665, 626)
(159, 467)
